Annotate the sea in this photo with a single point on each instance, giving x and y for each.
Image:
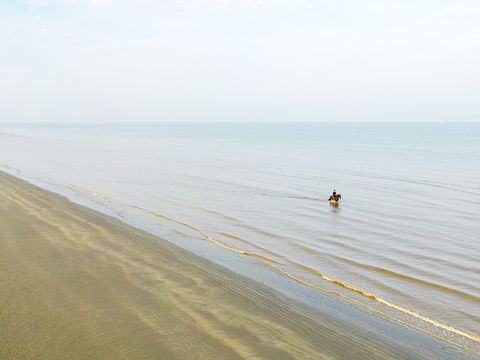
(403, 244)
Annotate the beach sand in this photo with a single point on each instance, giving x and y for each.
(76, 284)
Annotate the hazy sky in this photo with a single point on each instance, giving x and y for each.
(239, 60)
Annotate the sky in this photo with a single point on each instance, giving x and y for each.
(239, 60)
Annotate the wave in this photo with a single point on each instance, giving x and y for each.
(429, 183)
(395, 274)
(205, 235)
(12, 134)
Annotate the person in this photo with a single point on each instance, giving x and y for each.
(335, 197)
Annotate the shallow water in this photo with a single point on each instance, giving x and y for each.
(405, 239)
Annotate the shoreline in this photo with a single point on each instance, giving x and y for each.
(77, 283)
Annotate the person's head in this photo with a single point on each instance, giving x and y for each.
(334, 192)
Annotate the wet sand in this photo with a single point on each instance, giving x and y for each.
(76, 284)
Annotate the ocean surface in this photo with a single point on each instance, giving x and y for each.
(404, 243)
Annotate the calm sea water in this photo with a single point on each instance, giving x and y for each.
(405, 241)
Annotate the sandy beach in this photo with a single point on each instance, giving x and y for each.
(76, 284)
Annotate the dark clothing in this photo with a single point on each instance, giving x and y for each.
(335, 197)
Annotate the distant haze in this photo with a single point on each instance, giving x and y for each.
(239, 60)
